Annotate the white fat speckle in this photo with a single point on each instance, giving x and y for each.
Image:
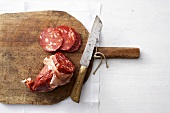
(72, 34)
(69, 34)
(25, 80)
(66, 42)
(46, 40)
(58, 34)
(55, 35)
(29, 79)
(65, 31)
(70, 30)
(49, 30)
(49, 47)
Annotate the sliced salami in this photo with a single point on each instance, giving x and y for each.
(65, 66)
(77, 44)
(69, 36)
(57, 71)
(50, 39)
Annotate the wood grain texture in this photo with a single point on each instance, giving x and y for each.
(21, 55)
(120, 52)
(76, 91)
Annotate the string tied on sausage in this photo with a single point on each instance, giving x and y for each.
(101, 56)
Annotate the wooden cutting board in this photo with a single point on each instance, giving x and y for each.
(21, 55)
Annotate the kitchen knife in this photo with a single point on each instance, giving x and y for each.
(85, 59)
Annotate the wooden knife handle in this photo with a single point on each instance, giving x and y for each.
(76, 91)
(119, 52)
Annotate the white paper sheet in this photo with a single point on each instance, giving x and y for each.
(83, 11)
(9, 7)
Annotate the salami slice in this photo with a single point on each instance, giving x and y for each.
(69, 36)
(50, 39)
(65, 66)
(57, 71)
(77, 44)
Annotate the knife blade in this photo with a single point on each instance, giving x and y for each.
(85, 59)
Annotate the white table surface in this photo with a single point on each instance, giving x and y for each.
(136, 85)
